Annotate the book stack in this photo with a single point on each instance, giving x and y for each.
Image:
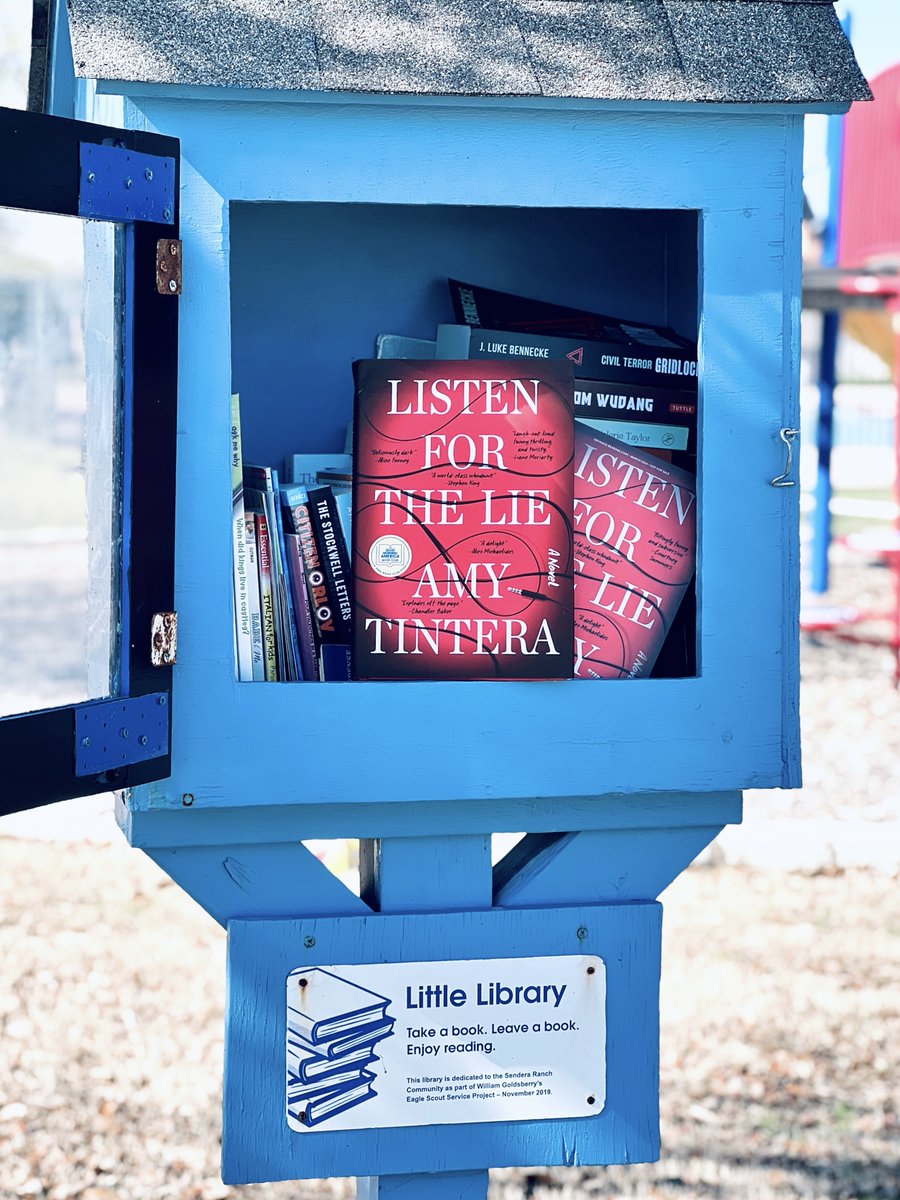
(333, 1028)
(291, 567)
(451, 545)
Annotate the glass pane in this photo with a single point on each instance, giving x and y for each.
(59, 434)
(15, 51)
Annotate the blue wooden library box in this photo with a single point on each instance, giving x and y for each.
(332, 163)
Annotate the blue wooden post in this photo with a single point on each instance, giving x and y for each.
(426, 874)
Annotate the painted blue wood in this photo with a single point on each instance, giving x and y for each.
(452, 1185)
(60, 99)
(586, 868)
(277, 880)
(257, 1144)
(195, 93)
(272, 823)
(425, 875)
(790, 512)
(735, 726)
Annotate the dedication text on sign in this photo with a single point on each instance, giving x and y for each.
(425, 1043)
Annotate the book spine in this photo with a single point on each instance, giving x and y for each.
(333, 556)
(267, 599)
(259, 670)
(266, 481)
(344, 503)
(613, 361)
(243, 634)
(306, 635)
(335, 661)
(296, 501)
(292, 644)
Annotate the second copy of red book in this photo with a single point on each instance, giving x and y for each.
(462, 520)
(635, 523)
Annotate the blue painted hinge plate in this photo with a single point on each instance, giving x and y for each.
(114, 733)
(122, 185)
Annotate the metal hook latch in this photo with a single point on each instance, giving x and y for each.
(784, 480)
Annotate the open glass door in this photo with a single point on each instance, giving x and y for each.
(89, 285)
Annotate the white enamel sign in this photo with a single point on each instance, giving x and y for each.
(396, 1044)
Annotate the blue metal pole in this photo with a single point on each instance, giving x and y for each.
(821, 540)
(824, 440)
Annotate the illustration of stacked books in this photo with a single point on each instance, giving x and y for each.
(333, 1026)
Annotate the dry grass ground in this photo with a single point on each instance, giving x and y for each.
(780, 1028)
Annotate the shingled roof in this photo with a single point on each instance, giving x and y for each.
(753, 51)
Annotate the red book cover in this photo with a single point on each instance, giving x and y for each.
(462, 531)
(635, 520)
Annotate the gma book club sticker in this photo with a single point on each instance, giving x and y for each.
(395, 1044)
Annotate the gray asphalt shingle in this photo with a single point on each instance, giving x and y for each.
(703, 50)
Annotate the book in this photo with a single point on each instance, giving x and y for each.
(487, 308)
(642, 415)
(637, 382)
(338, 481)
(254, 599)
(396, 345)
(311, 1112)
(335, 660)
(303, 468)
(607, 364)
(266, 597)
(635, 547)
(462, 503)
(333, 556)
(325, 1006)
(242, 628)
(306, 635)
(344, 502)
(295, 501)
(264, 480)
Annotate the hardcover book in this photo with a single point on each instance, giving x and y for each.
(261, 483)
(306, 635)
(303, 468)
(592, 360)
(242, 626)
(333, 556)
(255, 601)
(267, 597)
(635, 545)
(462, 503)
(295, 499)
(487, 308)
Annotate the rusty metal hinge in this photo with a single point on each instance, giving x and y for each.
(168, 267)
(163, 639)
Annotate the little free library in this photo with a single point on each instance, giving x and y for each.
(452, 366)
